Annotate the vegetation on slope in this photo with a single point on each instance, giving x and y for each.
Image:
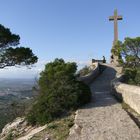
(11, 108)
(12, 55)
(60, 92)
(129, 58)
(56, 130)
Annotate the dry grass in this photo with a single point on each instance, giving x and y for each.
(57, 130)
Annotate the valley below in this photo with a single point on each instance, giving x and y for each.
(15, 96)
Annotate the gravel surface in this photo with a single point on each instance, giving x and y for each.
(103, 118)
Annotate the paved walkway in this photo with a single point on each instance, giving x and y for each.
(104, 118)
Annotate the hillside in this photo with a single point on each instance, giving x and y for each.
(14, 94)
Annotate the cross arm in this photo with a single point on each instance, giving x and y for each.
(111, 18)
(119, 18)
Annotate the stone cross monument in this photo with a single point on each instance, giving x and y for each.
(115, 18)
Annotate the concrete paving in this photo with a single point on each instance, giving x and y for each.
(103, 118)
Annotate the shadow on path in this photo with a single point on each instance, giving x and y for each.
(103, 118)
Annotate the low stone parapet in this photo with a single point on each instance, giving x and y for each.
(87, 79)
(130, 94)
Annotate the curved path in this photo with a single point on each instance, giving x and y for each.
(103, 118)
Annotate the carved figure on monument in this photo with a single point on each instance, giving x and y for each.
(112, 59)
(115, 18)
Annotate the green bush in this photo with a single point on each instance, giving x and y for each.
(84, 94)
(137, 77)
(132, 75)
(9, 137)
(129, 58)
(59, 92)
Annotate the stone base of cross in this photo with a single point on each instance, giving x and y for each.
(114, 60)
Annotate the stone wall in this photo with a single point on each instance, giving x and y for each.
(128, 93)
(91, 76)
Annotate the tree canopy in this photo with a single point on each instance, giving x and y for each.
(129, 54)
(59, 92)
(129, 50)
(10, 53)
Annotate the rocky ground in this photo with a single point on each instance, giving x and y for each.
(19, 129)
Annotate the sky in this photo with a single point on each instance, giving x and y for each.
(75, 30)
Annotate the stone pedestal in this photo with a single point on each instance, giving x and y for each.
(114, 60)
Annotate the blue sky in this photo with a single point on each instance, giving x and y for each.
(75, 30)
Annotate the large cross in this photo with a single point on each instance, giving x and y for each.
(115, 18)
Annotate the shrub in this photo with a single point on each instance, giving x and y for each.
(59, 92)
(132, 75)
(84, 94)
(9, 137)
(137, 77)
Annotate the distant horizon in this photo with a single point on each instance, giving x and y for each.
(18, 78)
(33, 72)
